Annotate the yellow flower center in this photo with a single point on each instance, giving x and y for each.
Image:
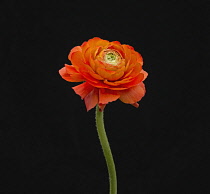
(112, 57)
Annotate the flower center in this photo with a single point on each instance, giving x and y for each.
(112, 57)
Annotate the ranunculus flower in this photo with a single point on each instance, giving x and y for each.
(108, 70)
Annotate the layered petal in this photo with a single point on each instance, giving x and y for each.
(77, 60)
(106, 95)
(76, 77)
(145, 74)
(91, 100)
(120, 82)
(127, 53)
(135, 70)
(84, 46)
(83, 89)
(96, 41)
(109, 74)
(75, 49)
(133, 95)
(135, 81)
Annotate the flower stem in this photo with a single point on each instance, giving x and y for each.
(107, 151)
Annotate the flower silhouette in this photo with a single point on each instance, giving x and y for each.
(108, 70)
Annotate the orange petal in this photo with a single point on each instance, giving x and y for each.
(77, 59)
(99, 63)
(129, 47)
(64, 74)
(100, 84)
(92, 52)
(133, 95)
(139, 58)
(116, 76)
(105, 73)
(96, 41)
(132, 62)
(96, 51)
(106, 96)
(87, 72)
(115, 43)
(89, 56)
(96, 76)
(77, 77)
(145, 74)
(117, 83)
(70, 69)
(75, 49)
(97, 83)
(87, 76)
(117, 88)
(135, 105)
(110, 74)
(84, 46)
(138, 79)
(127, 51)
(83, 89)
(127, 73)
(135, 70)
(91, 99)
(91, 62)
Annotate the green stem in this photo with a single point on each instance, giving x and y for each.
(107, 151)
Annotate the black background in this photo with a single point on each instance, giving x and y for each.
(49, 142)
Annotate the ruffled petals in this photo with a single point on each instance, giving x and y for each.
(109, 70)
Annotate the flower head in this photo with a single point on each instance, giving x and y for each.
(108, 70)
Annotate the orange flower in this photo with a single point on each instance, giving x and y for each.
(108, 70)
